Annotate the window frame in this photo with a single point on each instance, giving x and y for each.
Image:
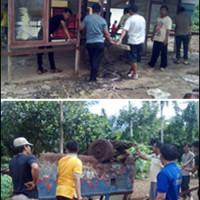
(37, 43)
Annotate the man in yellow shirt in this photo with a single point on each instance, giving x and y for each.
(69, 174)
(4, 23)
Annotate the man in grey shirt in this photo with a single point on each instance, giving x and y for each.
(182, 31)
(96, 27)
(187, 159)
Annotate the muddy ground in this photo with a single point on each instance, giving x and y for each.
(112, 83)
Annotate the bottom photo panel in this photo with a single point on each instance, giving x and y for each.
(100, 150)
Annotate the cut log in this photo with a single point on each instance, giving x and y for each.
(102, 150)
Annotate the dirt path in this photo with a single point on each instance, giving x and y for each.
(112, 83)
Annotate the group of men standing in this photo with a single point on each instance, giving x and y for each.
(133, 34)
(165, 176)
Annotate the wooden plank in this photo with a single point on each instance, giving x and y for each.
(9, 40)
(35, 51)
(190, 190)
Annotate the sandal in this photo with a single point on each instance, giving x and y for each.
(41, 71)
(56, 70)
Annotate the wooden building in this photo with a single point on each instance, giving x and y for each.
(26, 17)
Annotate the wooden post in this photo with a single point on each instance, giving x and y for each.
(148, 17)
(8, 39)
(84, 11)
(61, 127)
(102, 6)
(108, 6)
(77, 52)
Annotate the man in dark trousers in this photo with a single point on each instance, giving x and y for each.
(195, 147)
(55, 22)
(24, 171)
(160, 37)
(96, 27)
(169, 178)
(183, 30)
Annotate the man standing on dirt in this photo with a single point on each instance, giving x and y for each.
(187, 159)
(155, 168)
(96, 27)
(195, 147)
(24, 171)
(160, 37)
(54, 24)
(183, 28)
(135, 26)
(169, 178)
(69, 174)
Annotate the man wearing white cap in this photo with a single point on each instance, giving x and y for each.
(24, 171)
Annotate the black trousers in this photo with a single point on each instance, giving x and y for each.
(50, 54)
(95, 51)
(51, 59)
(179, 40)
(159, 47)
(185, 186)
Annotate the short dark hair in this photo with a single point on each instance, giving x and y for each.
(19, 149)
(96, 7)
(72, 146)
(6, 6)
(196, 144)
(126, 10)
(133, 8)
(158, 145)
(165, 7)
(169, 152)
(67, 10)
(181, 9)
(188, 144)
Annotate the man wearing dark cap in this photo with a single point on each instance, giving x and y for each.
(169, 178)
(96, 28)
(24, 171)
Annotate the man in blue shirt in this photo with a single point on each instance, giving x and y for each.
(96, 27)
(169, 179)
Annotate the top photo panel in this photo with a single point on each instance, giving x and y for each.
(100, 49)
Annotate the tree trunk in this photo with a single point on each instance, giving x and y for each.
(162, 122)
(61, 127)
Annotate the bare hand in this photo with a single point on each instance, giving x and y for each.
(183, 166)
(80, 198)
(118, 42)
(30, 185)
(136, 147)
(72, 41)
(165, 42)
(112, 42)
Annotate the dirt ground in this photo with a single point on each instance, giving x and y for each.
(113, 82)
(141, 189)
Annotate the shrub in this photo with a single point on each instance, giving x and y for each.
(142, 166)
(6, 187)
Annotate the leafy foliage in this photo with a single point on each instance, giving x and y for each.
(196, 19)
(6, 187)
(39, 122)
(142, 166)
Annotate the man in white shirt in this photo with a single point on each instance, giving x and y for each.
(187, 159)
(135, 26)
(155, 168)
(160, 37)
